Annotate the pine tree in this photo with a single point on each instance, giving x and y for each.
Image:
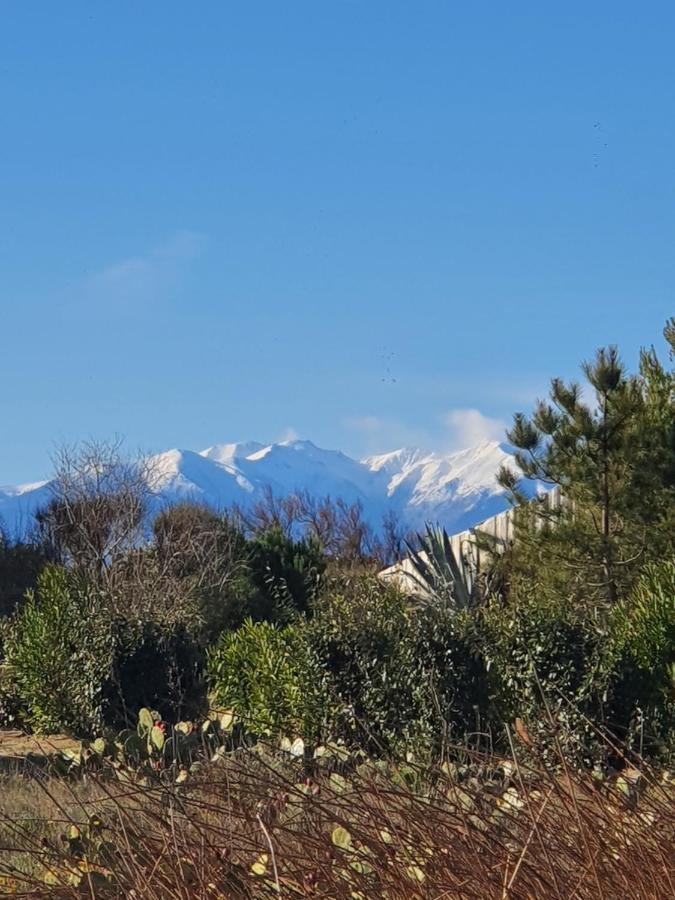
(613, 459)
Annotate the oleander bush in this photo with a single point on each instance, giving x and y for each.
(72, 665)
(58, 651)
(271, 676)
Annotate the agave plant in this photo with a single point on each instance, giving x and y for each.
(436, 571)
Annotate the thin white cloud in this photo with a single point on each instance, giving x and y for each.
(366, 424)
(146, 280)
(456, 429)
(289, 434)
(468, 427)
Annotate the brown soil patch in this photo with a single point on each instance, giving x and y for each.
(18, 744)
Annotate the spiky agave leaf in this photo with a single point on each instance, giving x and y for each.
(436, 570)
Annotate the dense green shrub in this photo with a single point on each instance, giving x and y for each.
(547, 667)
(285, 572)
(401, 678)
(75, 667)
(368, 668)
(447, 645)
(643, 657)
(361, 634)
(271, 677)
(58, 652)
(645, 624)
(572, 673)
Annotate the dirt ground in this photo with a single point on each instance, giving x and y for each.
(18, 745)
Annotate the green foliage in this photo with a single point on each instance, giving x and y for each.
(57, 652)
(271, 678)
(75, 667)
(286, 573)
(437, 573)
(613, 460)
(582, 636)
(567, 671)
(546, 667)
(643, 657)
(361, 634)
(645, 623)
(458, 701)
(155, 749)
(401, 678)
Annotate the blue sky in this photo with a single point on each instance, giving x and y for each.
(368, 223)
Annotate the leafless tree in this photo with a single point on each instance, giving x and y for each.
(391, 545)
(345, 534)
(271, 511)
(98, 507)
(199, 547)
(317, 516)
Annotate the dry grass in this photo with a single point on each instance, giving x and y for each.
(261, 824)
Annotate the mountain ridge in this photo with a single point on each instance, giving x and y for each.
(457, 489)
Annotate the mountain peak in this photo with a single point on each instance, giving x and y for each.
(298, 444)
(457, 489)
(226, 452)
(395, 459)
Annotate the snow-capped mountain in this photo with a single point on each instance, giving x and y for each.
(458, 489)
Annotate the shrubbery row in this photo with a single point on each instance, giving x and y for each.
(281, 615)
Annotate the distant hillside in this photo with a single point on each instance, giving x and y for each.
(458, 489)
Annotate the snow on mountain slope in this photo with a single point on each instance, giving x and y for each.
(396, 461)
(227, 453)
(301, 464)
(19, 504)
(185, 475)
(458, 490)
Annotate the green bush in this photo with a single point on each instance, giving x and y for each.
(58, 652)
(547, 667)
(645, 624)
(286, 573)
(75, 667)
(458, 680)
(643, 656)
(573, 673)
(269, 675)
(401, 679)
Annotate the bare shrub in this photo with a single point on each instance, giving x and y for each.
(263, 824)
(98, 507)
